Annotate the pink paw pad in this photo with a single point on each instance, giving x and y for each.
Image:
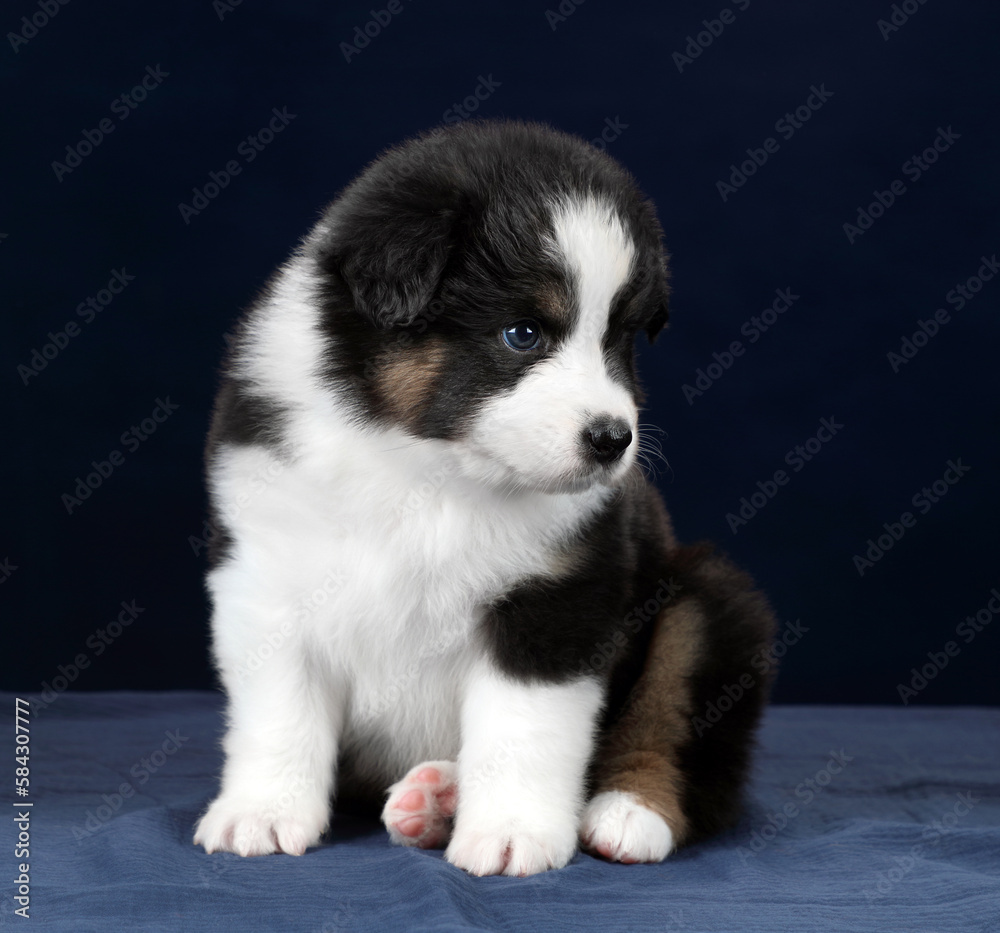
(421, 806)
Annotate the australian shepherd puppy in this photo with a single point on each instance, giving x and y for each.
(441, 580)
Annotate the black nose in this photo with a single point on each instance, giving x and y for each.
(606, 440)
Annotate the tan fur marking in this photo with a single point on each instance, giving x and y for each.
(639, 753)
(554, 303)
(406, 379)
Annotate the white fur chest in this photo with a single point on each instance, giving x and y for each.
(372, 557)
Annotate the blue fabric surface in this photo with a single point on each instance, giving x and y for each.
(889, 820)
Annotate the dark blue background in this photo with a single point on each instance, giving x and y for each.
(681, 130)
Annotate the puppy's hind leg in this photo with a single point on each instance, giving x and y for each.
(637, 813)
(663, 775)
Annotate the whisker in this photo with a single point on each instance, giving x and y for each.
(401, 447)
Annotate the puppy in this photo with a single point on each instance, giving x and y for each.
(440, 575)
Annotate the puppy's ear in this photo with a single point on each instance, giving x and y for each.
(660, 304)
(390, 249)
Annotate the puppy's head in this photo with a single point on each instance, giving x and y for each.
(484, 285)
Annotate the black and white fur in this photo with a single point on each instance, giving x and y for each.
(426, 531)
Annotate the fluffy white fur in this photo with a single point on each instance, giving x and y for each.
(619, 827)
(348, 607)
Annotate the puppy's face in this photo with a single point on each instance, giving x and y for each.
(503, 321)
(569, 417)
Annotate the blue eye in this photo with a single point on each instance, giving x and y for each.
(522, 335)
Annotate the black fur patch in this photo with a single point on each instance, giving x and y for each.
(243, 417)
(240, 417)
(551, 629)
(220, 540)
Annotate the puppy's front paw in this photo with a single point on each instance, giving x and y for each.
(511, 848)
(253, 829)
(421, 806)
(617, 826)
